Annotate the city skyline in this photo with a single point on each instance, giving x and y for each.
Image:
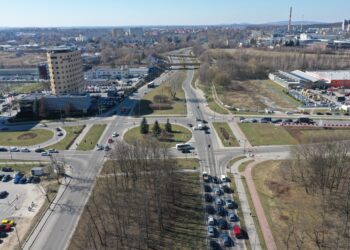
(39, 13)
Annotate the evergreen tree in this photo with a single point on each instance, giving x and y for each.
(168, 127)
(156, 129)
(144, 128)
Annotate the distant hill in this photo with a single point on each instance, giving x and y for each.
(281, 23)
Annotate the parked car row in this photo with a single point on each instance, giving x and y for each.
(221, 207)
(27, 150)
(6, 227)
(19, 178)
(277, 120)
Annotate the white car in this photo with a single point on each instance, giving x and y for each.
(223, 178)
(211, 221)
(45, 153)
(14, 149)
(25, 150)
(115, 134)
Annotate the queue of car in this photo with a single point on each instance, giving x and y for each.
(300, 120)
(42, 151)
(6, 226)
(221, 212)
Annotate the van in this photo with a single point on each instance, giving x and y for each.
(182, 146)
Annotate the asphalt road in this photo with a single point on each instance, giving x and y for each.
(58, 224)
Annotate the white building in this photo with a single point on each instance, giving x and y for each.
(115, 73)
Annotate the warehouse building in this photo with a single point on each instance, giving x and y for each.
(337, 79)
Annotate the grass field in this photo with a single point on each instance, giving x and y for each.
(256, 95)
(179, 134)
(177, 106)
(286, 202)
(304, 135)
(267, 134)
(24, 168)
(72, 133)
(25, 138)
(212, 104)
(223, 129)
(91, 138)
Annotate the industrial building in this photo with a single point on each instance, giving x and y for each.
(312, 79)
(66, 71)
(337, 79)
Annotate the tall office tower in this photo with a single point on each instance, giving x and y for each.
(66, 71)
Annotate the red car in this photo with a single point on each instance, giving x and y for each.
(5, 227)
(110, 140)
(237, 231)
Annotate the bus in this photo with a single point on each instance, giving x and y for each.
(183, 146)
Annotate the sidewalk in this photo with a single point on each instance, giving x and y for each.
(259, 210)
(243, 202)
(240, 136)
(80, 137)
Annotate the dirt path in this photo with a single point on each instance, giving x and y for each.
(264, 225)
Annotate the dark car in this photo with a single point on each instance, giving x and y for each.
(214, 245)
(30, 179)
(23, 180)
(7, 169)
(3, 194)
(227, 189)
(277, 121)
(222, 224)
(58, 129)
(319, 113)
(210, 209)
(216, 180)
(207, 132)
(36, 179)
(6, 178)
(266, 120)
(208, 198)
(3, 149)
(221, 211)
(204, 121)
(233, 217)
(39, 150)
(227, 240)
(207, 188)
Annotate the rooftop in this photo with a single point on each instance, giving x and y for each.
(331, 75)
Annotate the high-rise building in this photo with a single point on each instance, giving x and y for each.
(66, 71)
(346, 25)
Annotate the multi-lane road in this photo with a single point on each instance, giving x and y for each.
(58, 224)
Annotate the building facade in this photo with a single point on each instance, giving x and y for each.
(66, 71)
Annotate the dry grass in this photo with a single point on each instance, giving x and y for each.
(256, 95)
(9, 59)
(285, 203)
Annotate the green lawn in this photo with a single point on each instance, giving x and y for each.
(24, 168)
(190, 163)
(91, 138)
(72, 133)
(267, 134)
(306, 135)
(25, 138)
(212, 104)
(220, 128)
(180, 134)
(178, 106)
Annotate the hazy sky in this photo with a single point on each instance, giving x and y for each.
(44, 13)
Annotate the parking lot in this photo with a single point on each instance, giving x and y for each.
(21, 205)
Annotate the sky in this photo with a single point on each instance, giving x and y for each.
(67, 13)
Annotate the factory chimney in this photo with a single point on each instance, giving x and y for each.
(290, 20)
